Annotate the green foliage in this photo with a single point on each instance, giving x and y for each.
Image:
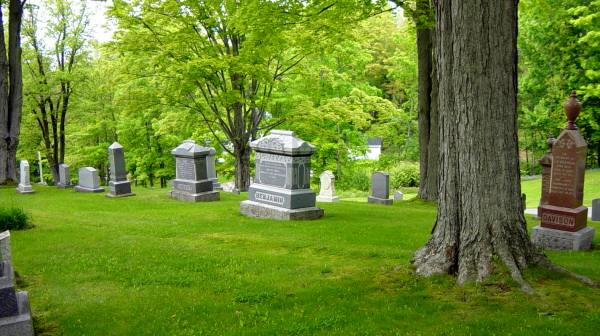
(405, 174)
(12, 218)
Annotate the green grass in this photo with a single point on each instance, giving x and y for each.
(533, 189)
(149, 265)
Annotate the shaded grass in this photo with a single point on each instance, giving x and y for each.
(149, 265)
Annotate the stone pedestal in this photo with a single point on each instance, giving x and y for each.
(563, 240)
(327, 192)
(191, 183)
(88, 181)
(281, 188)
(118, 186)
(380, 189)
(24, 186)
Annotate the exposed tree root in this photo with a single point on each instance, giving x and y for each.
(545, 262)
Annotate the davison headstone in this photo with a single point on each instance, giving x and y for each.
(64, 176)
(564, 218)
(281, 188)
(15, 316)
(24, 186)
(191, 180)
(380, 189)
(88, 180)
(327, 192)
(211, 171)
(118, 186)
(546, 163)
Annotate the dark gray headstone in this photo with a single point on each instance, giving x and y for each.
(191, 182)
(380, 189)
(596, 209)
(64, 176)
(118, 186)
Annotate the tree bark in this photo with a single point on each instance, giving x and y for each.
(4, 115)
(15, 102)
(242, 166)
(479, 201)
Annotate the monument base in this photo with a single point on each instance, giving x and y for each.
(562, 240)
(328, 199)
(200, 197)
(21, 324)
(382, 201)
(87, 190)
(561, 218)
(109, 195)
(64, 186)
(119, 189)
(23, 189)
(260, 210)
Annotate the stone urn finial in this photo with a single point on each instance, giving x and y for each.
(572, 109)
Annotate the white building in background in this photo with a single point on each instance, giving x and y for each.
(374, 149)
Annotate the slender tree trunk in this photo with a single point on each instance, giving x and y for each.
(480, 212)
(242, 166)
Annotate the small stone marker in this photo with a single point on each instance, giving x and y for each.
(281, 188)
(191, 183)
(596, 209)
(398, 196)
(88, 180)
(118, 186)
(15, 315)
(24, 186)
(42, 182)
(564, 218)
(211, 171)
(546, 163)
(380, 189)
(64, 176)
(327, 192)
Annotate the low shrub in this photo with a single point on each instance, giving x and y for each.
(13, 219)
(405, 174)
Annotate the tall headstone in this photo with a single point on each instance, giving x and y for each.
(596, 209)
(211, 171)
(88, 181)
(564, 218)
(118, 186)
(281, 188)
(191, 179)
(546, 163)
(15, 315)
(327, 192)
(24, 186)
(380, 189)
(42, 182)
(64, 176)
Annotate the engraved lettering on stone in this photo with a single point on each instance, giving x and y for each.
(559, 220)
(269, 198)
(185, 169)
(272, 173)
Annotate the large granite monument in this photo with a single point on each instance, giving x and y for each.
(327, 192)
(118, 186)
(24, 186)
(211, 170)
(564, 218)
(380, 189)
(88, 181)
(191, 179)
(281, 188)
(64, 176)
(15, 315)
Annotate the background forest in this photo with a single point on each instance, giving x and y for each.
(336, 77)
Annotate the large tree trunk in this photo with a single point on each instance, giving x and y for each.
(480, 212)
(15, 102)
(4, 115)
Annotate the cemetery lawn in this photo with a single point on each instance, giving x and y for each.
(149, 265)
(533, 189)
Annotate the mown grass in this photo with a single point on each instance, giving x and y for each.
(149, 265)
(591, 189)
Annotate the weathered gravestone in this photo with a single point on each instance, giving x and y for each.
(281, 188)
(380, 189)
(327, 192)
(15, 316)
(564, 218)
(42, 182)
(64, 176)
(88, 180)
(596, 209)
(546, 163)
(191, 182)
(24, 186)
(211, 171)
(118, 186)
(398, 196)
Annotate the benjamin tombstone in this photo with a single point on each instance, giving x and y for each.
(564, 218)
(327, 192)
(281, 188)
(380, 189)
(211, 171)
(191, 180)
(118, 186)
(88, 181)
(64, 176)
(15, 315)
(24, 186)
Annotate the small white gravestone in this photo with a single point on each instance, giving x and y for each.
(327, 193)
(24, 186)
(42, 182)
(398, 196)
(88, 180)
